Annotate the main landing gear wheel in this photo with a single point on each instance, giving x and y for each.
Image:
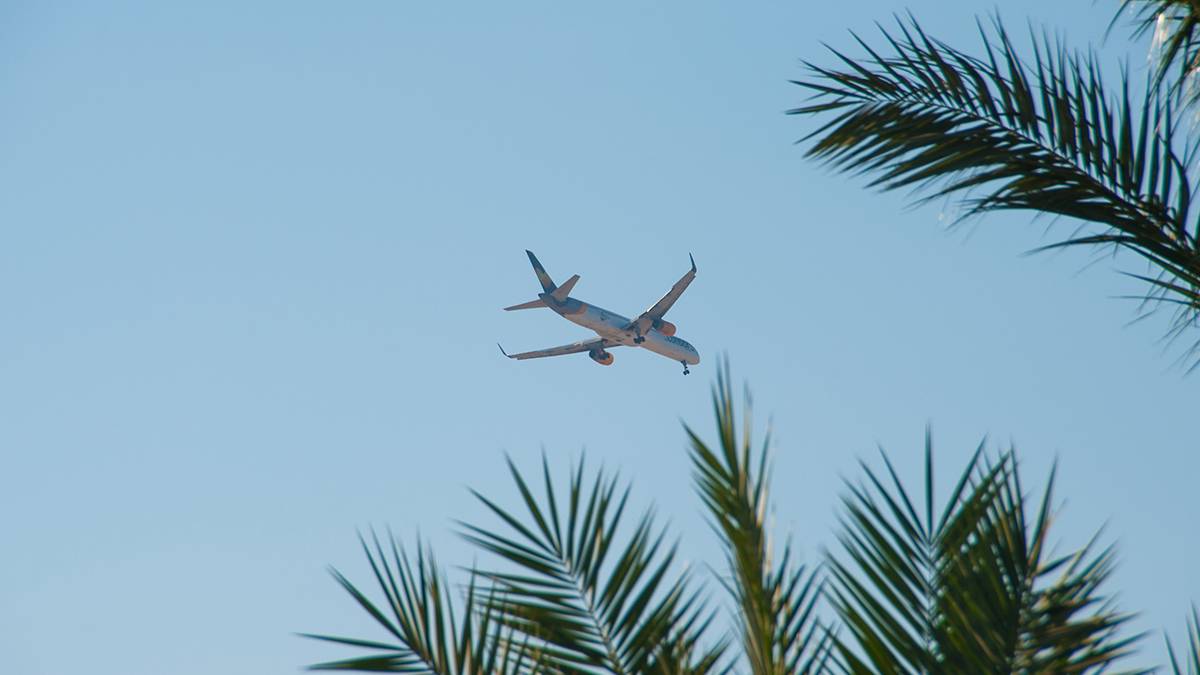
(685, 368)
(638, 340)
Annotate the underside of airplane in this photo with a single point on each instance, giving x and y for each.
(648, 331)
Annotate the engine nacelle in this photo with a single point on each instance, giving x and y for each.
(602, 357)
(665, 327)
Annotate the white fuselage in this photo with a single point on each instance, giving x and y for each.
(613, 327)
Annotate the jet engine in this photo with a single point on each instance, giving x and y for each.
(602, 357)
(665, 327)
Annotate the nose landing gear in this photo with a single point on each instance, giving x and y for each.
(685, 368)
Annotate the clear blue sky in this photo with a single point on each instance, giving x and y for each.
(252, 261)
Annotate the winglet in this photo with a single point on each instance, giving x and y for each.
(502, 350)
(693, 262)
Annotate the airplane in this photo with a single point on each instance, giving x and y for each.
(649, 330)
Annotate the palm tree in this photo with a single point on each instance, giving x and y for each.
(1041, 133)
(1175, 26)
(971, 587)
(1190, 663)
(576, 585)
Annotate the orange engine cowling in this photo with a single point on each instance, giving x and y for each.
(602, 357)
(665, 327)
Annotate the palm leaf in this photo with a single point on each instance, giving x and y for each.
(1042, 134)
(1190, 663)
(776, 600)
(592, 596)
(429, 636)
(1175, 29)
(971, 587)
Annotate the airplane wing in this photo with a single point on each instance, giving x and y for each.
(573, 348)
(647, 318)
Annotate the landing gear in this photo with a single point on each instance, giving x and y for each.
(639, 340)
(685, 368)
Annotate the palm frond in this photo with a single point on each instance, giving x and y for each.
(591, 596)
(1042, 134)
(430, 636)
(1190, 663)
(776, 599)
(1174, 27)
(971, 587)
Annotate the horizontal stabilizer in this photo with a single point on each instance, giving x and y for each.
(532, 304)
(560, 294)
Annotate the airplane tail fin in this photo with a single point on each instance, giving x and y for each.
(532, 304)
(559, 293)
(547, 282)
